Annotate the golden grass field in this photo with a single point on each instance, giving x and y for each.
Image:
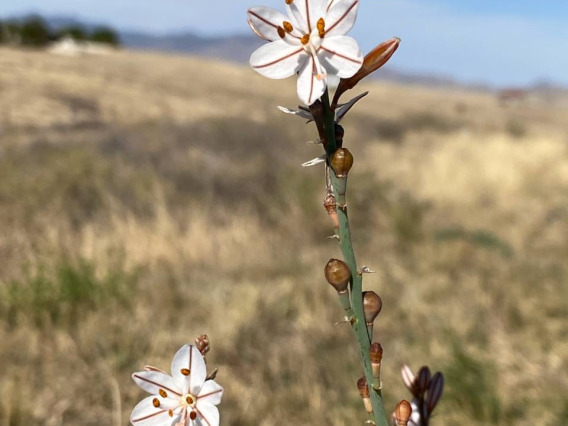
(146, 199)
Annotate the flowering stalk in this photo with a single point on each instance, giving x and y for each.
(358, 325)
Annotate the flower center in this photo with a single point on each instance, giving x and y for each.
(189, 400)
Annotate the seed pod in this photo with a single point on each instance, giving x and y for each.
(337, 274)
(341, 162)
(403, 411)
(372, 305)
(365, 394)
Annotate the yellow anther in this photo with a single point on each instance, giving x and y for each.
(289, 1)
(305, 39)
(185, 371)
(171, 413)
(189, 400)
(321, 27)
(193, 415)
(163, 393)
(281, 32)
(156, 402)
(288, 26)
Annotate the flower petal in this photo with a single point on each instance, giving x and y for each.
(265, 22)
(154, 381)
(210, 392)
(310, 87)
(188, 369)
(306, 13)
(208, 414)
(278, 59)
(145, 414)
(300, 112)
(341, 17)
(340, 56)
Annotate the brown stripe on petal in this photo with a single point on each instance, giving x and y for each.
(157, 384)
(149, 416)
(256, 15)
(202, 416)
(342, 17)
(330, 4)
(210, 393)
(280, 59)
(347, 58)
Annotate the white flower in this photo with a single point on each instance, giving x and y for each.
(309, 41)
(185, 398)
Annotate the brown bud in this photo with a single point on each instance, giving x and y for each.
(341, 162)
(403, 411)
(330, 205)
(337, 273)
(435, 391)
(374, 60)
(363, 388)
(372, 305)
(202, 343)
(376, 352)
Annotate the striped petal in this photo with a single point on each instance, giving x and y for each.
(210, 392)
(265, 22)
(340, 56)
(306, 13)
(208, 414)
(189, 370)
(310, 87)
(146, 414)
(341, 17)
(153, 382)
(278, 59)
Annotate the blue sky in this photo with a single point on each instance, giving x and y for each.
(504, 42)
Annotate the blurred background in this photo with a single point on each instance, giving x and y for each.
(150, 191)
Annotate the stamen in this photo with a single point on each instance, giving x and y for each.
(163, 393)
(156, 402)
(189, 400)
(193, 415)
(305, 39)
(185, 371)
(321, 27)
(289, 1)
(171, 413)
(281, 32)
(288, 26)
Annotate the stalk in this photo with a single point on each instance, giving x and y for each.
(358, 325)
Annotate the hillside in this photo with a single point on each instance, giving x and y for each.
(148, 198)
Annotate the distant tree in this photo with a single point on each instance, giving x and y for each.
(34, 32)
(105, 35)
(3, 33)
(76, 32)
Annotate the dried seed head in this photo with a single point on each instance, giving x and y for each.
(202, 343)
(341, 162)
(372, 305)
(363, 388)
(403, 411)
(337, 273)
(376, 352)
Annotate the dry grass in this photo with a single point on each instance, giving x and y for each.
(145, 199)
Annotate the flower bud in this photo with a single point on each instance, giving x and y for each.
(435, 391)
(337, 273)
(330, 205)
(376, 352)
(202, 343)
(372, 305)
(365, 394)
(341, 162)
(403, 411)
(423, 379)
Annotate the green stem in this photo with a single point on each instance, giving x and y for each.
(359, 326)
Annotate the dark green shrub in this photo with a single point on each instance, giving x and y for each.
(34, 32)
(105, 35)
